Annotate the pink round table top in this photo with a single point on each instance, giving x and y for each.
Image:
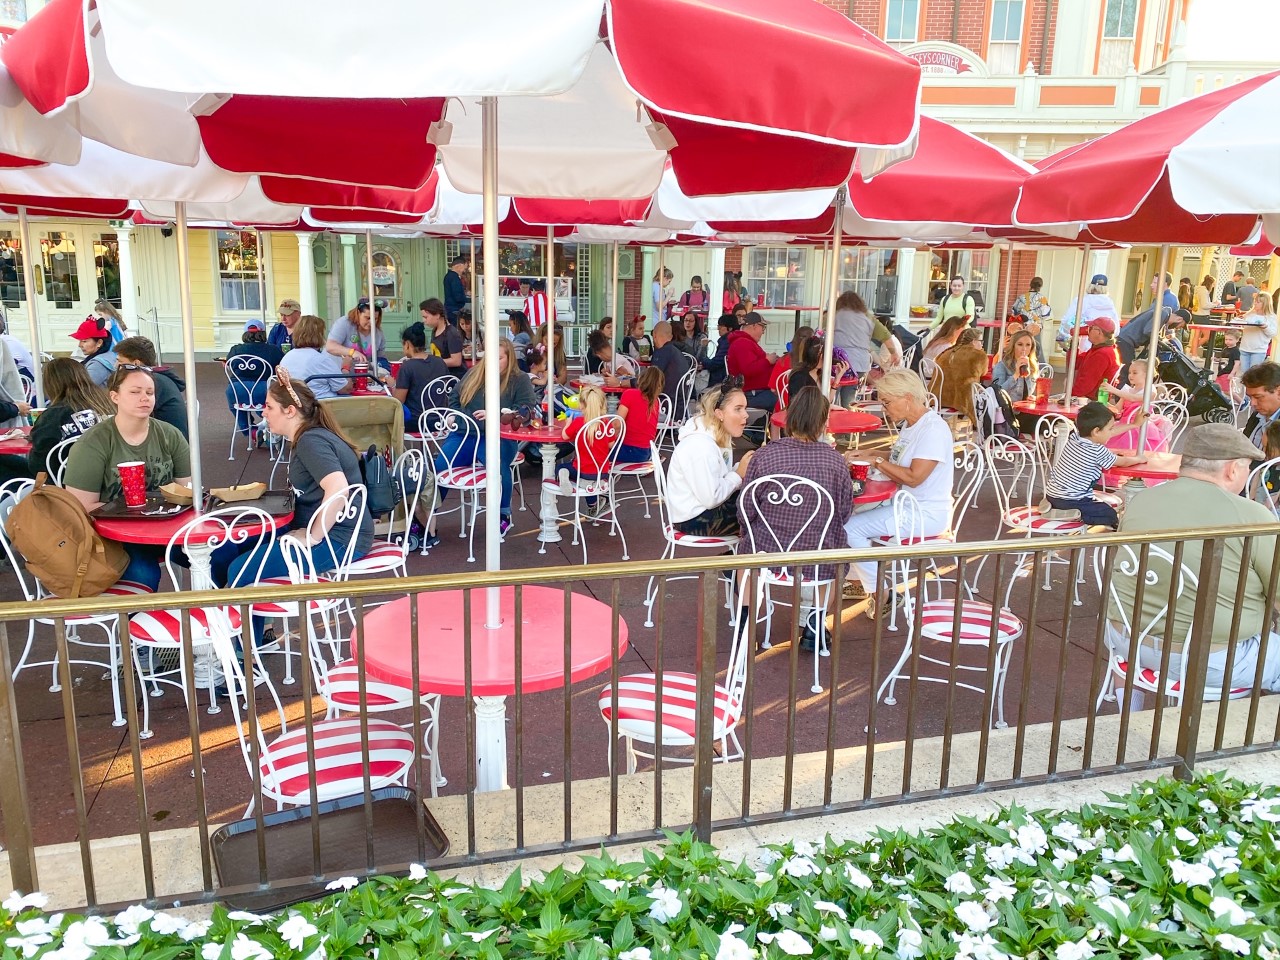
(1159, 466)
(850, 379)
(18, 446)
(440, 642)
(578, 384)
(160, 531)
(367, 393)
(534, 433)
(840, 421)
(990, 324)
(1040, 408)
(876, 491)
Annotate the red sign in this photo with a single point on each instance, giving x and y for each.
(941, 61)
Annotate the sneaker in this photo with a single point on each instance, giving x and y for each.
(430, 541)
(566, 486)
(504, 525)
(1056, 514)
(269, 642)
(853, 590)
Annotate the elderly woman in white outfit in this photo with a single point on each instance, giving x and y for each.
(921, 460)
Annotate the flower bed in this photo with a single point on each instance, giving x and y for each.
(1170, 870)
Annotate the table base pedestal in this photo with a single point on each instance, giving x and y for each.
(548, 527)
(491, 743)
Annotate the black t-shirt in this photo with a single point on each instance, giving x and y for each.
(798, 381)
(1227, 360)
(316, 454)
(673, 363)
(447, 342)
(415, 373)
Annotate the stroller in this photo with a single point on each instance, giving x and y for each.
(1204, 397)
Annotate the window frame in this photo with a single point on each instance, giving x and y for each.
(74, 277)
(248, 279)
(1132, 7)
(756, 279)
(888, 21)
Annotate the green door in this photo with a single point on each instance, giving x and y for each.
(405, 272)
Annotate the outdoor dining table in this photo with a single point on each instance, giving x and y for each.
(1158, 468)
(17, 446)
(1043, 408)
(547, 438)
(611, 394)
(839, 421)
(875, 492)
(442, 662)
(990, 332)
(1210, 331)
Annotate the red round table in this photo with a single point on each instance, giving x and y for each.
(1158, 467)
(579, 384)
(547, 438)
(1042, 408)
(18, 446)
(442, 668)
(875, 491)
(840, 421)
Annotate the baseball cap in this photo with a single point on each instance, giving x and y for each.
(1100, 279)
(1219, 441)
(289, 306)
(753, 318)
(90, 329)
(253, 325)
(1183, 314)
(1105, 324)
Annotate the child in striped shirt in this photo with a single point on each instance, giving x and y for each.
(1080, 462)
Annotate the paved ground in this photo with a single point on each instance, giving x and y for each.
(1055, 660)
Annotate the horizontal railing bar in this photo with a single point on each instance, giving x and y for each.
(57, 607)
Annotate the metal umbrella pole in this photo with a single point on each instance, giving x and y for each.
(619, 325)
(474, 300)
(189, 356)
(262, 282)
(492, 379)
(551, 325)
(1008, 282)
(1153, 344)
(29, 285)
(833, 291)
(373, 304)
(1075, 329)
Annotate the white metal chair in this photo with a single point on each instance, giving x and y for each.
(1051, 431)
(1175, 415)
(676, 539)
(32, 590)
(1045, 372)
(453, 439)
(28, 388)
(782, 389)
(57, 458)
(595, 477)
(1256, 486)
(780, 513)
(245, 373)
(1157, 576)
(938, 624)
(391, 554)
(673, 410)
(436, 395)
(1164, 390)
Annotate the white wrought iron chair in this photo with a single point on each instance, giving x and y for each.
(780, 512)
(390, 555)
(672, 415)
(938, 623)
(245, 373)
(1175, 414)
(453, 440)
(595, 478)
(57, 458)
(1161, 579)
(1256, 485)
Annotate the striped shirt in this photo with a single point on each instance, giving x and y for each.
(1077, 467)
(535, 308)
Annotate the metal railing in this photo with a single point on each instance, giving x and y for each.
(802, 756)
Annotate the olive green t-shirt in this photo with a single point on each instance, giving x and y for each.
(92, 463)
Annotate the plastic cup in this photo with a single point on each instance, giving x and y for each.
(760, 299)
(133, 480)
(859, 469)
(1043, 386)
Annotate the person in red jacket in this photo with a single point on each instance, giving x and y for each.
(747, 359)
(1100, 362)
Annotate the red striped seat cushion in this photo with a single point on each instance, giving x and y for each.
(279, 608)
(937, 620)
(637, 713)
(1151, 680)
(339, 764)
(633, 469)
(342, 687)
(461, 478)
(694, 540)
(122, 588)
(518, 458)
(1111, 499)
(885, 541)
(1024, 518)
(382, 557)
(165, 626)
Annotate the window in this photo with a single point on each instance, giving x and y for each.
(106, 267)
(527, 260)
(860, 271)
(386, 280)
(902, 21)
(238, 270)
(1006, 36)
(778, 273)
(11, 281)
(13, 10)
(1119, 19)
(61, 272)
(973, 265)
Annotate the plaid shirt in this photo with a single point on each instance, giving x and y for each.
(794, 527)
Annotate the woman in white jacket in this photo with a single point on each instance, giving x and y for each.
(702, 482)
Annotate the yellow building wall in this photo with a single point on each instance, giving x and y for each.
(282, 270)
(203, 302)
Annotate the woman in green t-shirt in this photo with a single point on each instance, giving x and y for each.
(91, 473)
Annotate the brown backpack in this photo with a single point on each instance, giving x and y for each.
(50, 529)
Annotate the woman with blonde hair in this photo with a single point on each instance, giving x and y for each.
(702, 481)
(1259, 330)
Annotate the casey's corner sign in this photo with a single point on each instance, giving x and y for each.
(947, 60)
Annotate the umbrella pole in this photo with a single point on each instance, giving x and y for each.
(189, 353)
(29, 285)
(373, 304)
(833, 291)
(1075, 328)
(619, 325)
(551, 325)
(262, 283)
(661, 308)
(474, 300)
(1004, 314)
(1153, 345)
(492, 379)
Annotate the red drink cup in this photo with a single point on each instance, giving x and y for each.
(760, 299)
(1043, 386)
(133, 480)
(859, 469)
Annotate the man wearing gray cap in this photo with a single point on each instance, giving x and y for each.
(1215, 465)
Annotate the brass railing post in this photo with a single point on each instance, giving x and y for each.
(705, 670)
(13, 781)
(1197, 665)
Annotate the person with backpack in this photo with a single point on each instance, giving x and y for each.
(695, 300)
(957, 303)
(131, 435)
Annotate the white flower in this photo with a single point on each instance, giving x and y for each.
(789, 942)
(778, 909)
(36, 926)
(960, 883)
(611, 884)
(763, 876)
(998, 889)
(1184, 835)
(195, 930)
(295, 931)
(665, 904)
(1192, 874)
(29, 944)
(1114, 906)
(1099, 886)
(1066, 831)
(342, 883)
(800, 867)
(417, 872)
(826, 934)
(1168, 926)
(856, 877)
(636, 953)
(1080, 950)
(246, 916)
(16, 902)
(909, 944)
(979, 948)
(804, 848)
(1124, 855)
(1223, 859)
(868, 938)
(71, 951)
(90, 932)
(1268, 810)
(768, 857)
(166, 924)
(1229, 941)
(482, 935)
(242, 948)
(1208, 806)
(1000, 857)
(1235, 915)
(731, 948)
(826, 906)
(129, 920)
(1064, 855)
(1031, 837)
(973, 916)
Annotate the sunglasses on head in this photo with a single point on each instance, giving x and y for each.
(131, 367)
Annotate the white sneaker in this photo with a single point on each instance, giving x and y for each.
(566, 487)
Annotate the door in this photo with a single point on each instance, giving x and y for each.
(683, 262)
(390, 287)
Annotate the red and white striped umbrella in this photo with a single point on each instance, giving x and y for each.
(1197, 172)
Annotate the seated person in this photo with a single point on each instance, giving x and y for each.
(95, 344)
(638, 408)
(74, 404)
(714, 365)
(747, 359)
(309, 359)
(637, 344)
(132, 434)
(1081, 458)
(1125, 408)
(592, 440)
(359, 333)
(418, 368)
(1018, 368)
(673, 363)
(520, 334)
(1100, 362)
(171, 406)
(253, 343)
(618, 369)
(702, 481)
(962, 366)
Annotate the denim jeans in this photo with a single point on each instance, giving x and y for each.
(244, 393)
(458, 451)
(1250, 359)
(1091, 511)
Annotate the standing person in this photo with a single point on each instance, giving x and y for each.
(1186, 296)
(1100, 362)
(538, 306)
(1259, 329)
(282, 333)
(1096, 304)
(1033, 307)
(170, 405)
(446, 338)
(1136, 334)
(663, 293)
(74, 405)
(957, 303)
(111, 319)
(1230, 292)
(1228, 360)
(673, 363)
(696, 300)
(253, 344)
(17, 349)
(418, 368)
(307, 359)
(747, 359)
(1202, 300)
(638, 408)
(856, 330)
(95, 342)
(131, 435)
(455, 290)
(1245, 291)
(702, 481)
(359, 334)
(732, 290)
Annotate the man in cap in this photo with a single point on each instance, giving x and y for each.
(95, 343)
(455, 291)
(282, 333)
(1215, 465)
(1097, 363)
(747, 359)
